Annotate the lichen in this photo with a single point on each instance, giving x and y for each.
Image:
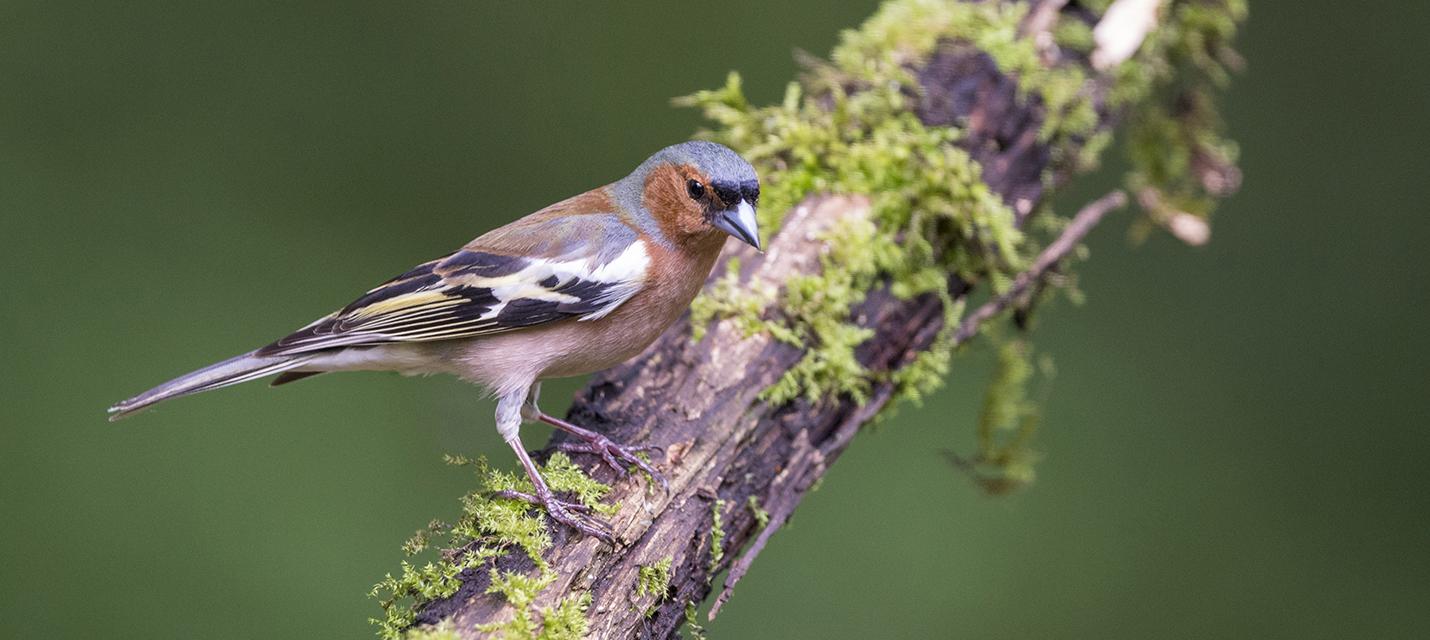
(489, 527)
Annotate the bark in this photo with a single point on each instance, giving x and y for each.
(722, 446)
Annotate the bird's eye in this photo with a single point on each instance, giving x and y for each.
(697, 190)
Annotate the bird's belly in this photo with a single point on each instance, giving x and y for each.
(594, 351)
(604, 343)
(512, 360)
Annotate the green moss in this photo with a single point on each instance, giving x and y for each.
(717, 535)
(848, 128)
(762, 517)
(1005, 404)
(692, 625)
(419, 541)
(1004, 458)
(863, 143)
(932, 214)
(1176, 143)
(817, 309)
(1073, 35)
(518, 588)
(654, 580)
(442, 631)
(431, 581)
(565, 620)
(1071, 115)
(730, 299)
(565, 477)
(903, 33)
(930, 367)
(489, 527)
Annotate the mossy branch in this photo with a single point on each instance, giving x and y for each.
(905, 175)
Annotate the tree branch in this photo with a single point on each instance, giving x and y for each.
(779, 512)
(745, 464)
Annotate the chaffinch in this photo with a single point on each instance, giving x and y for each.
(574, 288)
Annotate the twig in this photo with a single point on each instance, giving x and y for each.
(1076, 230)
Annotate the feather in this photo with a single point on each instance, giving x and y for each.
(293, 376)
(249, 366)
(482, 289)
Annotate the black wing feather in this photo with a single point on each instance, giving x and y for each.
(430, 302)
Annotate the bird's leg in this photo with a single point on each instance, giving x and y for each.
(568, 513)
(611, 453)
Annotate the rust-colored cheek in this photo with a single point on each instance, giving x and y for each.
(666, 199)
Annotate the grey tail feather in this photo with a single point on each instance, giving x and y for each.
(231, 371)
(293, 376)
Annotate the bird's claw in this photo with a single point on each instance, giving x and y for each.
(614, 454)
(572, 514)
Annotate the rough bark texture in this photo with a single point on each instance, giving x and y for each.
(698, 401)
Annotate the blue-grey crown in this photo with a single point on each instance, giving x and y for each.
(719, 162)
(716, 160)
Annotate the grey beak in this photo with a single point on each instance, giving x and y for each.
(739, 222)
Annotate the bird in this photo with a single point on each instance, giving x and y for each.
(574, 288)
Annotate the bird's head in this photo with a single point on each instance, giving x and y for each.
(697, 189)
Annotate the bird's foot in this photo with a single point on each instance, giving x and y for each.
(572, 514)
(614, 454)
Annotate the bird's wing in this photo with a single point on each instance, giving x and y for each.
(573, 266)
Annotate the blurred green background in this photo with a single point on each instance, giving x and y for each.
(1235, 445)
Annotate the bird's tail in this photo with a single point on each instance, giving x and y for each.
(231, 371)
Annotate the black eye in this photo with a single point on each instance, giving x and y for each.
(697, 190)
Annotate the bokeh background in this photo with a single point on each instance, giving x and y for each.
(1235, 446)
